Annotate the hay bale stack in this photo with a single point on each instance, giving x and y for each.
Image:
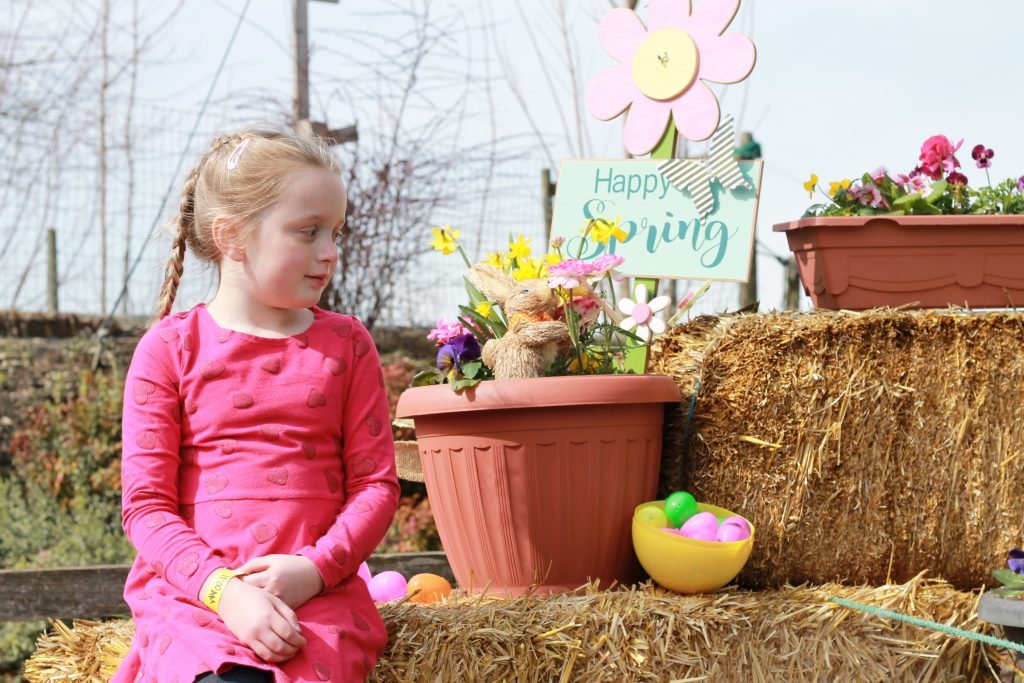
(643, 634)
(866, 447)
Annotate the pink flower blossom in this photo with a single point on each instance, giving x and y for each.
(586, 308)
(918, 184)
(868, 195)
(879, 174)
(572, 272)
(447, 330)
(938, 156)
(900, 179)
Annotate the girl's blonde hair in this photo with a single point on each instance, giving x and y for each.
(239, 177)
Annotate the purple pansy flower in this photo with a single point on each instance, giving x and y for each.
(1020, 184)
(459, 350)
(982, 155)
(1016, 561)
(956, 178)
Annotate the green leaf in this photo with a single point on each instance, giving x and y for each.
(472, 368)
(908, 200)
(426, 377)
(1011, 593)
(475, 295)
(1009, 578)
(495, 328)
(938, 189)
(464, 383)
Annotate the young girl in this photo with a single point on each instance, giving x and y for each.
(258, 466)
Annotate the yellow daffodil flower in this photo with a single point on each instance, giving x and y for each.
(484, 308)
(529, 269)
(520, 249)
(445, 239)
(834, 187)
(552, 259)
(493, 259)
(602, 230)
(811, 184)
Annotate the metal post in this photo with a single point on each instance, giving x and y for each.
(51, 270)
(793, 285)
(301, 61)
(748, 289)
(547, 193)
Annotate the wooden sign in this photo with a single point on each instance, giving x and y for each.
(665, 236)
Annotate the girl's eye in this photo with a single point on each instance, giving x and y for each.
(310, 232)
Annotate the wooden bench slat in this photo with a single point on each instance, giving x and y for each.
(96, 592)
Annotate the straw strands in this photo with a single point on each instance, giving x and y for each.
(866, 447)
(640, 634)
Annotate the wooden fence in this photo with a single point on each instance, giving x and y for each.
(96, 592)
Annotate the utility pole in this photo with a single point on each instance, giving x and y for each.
(749, 150)
(300, 110)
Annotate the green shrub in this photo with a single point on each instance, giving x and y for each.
(37, 530)
(70, 446)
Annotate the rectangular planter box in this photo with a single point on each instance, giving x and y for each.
(860, 262)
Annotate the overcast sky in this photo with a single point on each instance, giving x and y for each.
(839, 87)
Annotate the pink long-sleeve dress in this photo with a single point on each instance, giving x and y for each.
(238, 446)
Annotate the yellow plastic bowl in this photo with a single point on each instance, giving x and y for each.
(687, 565)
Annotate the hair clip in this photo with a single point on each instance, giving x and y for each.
(237, 154)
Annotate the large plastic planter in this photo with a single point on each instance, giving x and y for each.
(533, 482)
(915, 261)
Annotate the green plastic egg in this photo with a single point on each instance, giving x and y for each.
(679, 507)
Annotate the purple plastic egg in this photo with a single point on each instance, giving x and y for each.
(364, 573)
(387, 586)
(727, 533)
(701, 525)
(738, 521)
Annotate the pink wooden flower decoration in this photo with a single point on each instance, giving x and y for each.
(662, 68)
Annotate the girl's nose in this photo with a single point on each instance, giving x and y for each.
(328, 251)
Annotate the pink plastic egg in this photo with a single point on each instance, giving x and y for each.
(364, 573)
(727, 533)
(701, 525)
(737, 521)
(387, 586)
(701, 535)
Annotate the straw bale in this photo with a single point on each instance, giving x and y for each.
(637, 634)
(865, 447)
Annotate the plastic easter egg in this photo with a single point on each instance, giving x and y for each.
(679, 507)
(364, 573)
(387, 586)
(738, 521)
(432, 588)
(701, 525)
(728, 533)
(700, 534)
(653, 516)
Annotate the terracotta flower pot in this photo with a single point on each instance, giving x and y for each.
(922, 261)
(534, 481)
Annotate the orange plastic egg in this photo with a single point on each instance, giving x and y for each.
(432, 588)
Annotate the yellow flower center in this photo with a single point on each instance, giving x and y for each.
(665, 64)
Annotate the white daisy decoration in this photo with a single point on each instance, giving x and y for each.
(641, 313)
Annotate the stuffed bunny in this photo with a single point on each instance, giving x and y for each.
(533, 335)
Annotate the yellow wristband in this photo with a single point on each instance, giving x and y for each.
(212, 595)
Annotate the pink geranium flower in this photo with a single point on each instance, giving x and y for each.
(702, 52)
(938, 156)
(447, 330)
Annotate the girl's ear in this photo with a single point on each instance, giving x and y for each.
(226, 237)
